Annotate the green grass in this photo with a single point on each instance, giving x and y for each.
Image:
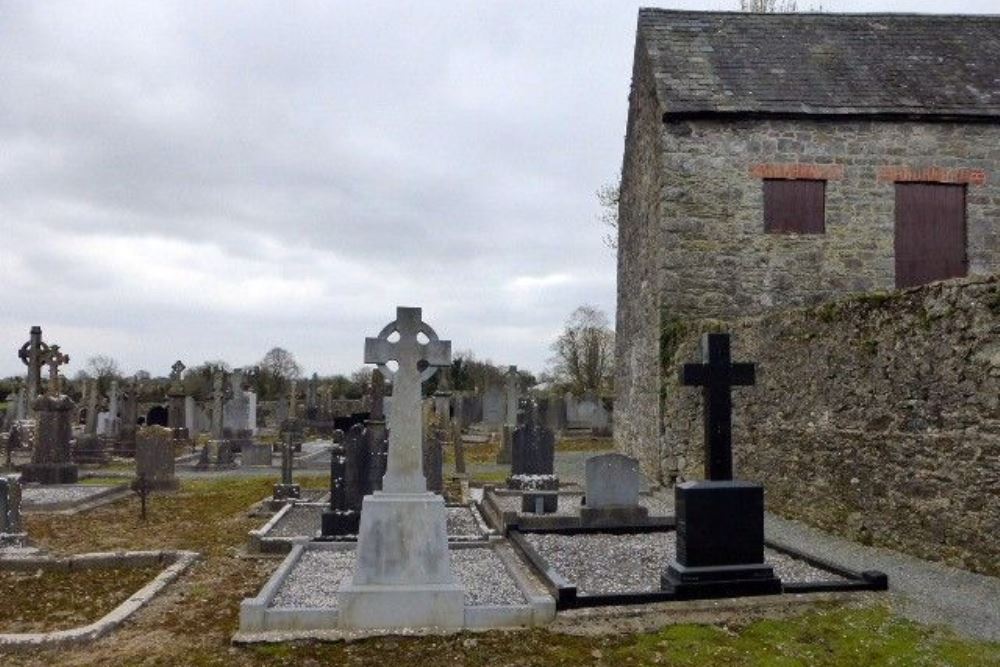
(193, 622)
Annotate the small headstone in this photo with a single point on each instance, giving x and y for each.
(350, 482)
(433, 452)
(154, 457)
(612, 492)
(256, 454)
(494, 410)
(533, 452)
(287, 489)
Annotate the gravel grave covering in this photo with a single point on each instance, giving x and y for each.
(314, 581)
(304, 521)
(569, 504)
(599, 563)
(62, 493)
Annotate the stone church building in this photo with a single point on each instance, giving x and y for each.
(781, 160)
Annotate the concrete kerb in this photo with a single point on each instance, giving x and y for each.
(261, 623)
(105, 497)
(179, 561)
(258, 539)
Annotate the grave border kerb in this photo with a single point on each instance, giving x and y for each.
(179, 562)
(568, 597)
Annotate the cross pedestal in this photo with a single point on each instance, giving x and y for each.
(720, 522)
(403, 576)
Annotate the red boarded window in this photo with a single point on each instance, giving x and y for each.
(930, 233)
(794, 206)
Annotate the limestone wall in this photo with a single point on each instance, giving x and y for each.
(875, 417)
(637, 382)
(716, 260)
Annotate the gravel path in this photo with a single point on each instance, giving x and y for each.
(605, 563)
(46, 495)
(921, 590)
(304, 521)
(319, 573)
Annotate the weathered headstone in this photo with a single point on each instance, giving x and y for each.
(510, 415)
(433, 453)
(255, 454)
(720, 522)
(175, 402)
(32, 354)
(154, 457)
(218, 398)
(50, 461)
(403, 576)
(236, 413)
(533, 451)
(612, 492)
(125, 445)
(494, 406)
(11, 533)
(287, 489)
(93, 399)
(191, 417)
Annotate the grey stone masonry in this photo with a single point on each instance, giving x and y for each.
(10, 511)
(50, 461)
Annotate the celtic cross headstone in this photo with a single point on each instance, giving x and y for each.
(417, 362)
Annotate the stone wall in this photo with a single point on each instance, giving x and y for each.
(715, 258)
(876, 417)
(637, 381)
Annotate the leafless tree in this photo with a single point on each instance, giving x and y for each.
(608, 196)
(584, 352)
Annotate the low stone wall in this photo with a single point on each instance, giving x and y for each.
(876, 417)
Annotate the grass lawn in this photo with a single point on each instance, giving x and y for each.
(192, 622)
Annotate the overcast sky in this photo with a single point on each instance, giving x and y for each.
(204, 180)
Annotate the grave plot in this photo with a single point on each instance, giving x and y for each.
(302, 595)
(301, 521)
(594, 567)
(69, 497)
(79, 598)
(503, 508)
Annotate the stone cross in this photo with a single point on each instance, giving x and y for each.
(54, 359)
(417, 362)
(92, 399)
(176, 370)
(32, 354)
(717, 375)
(291, 400)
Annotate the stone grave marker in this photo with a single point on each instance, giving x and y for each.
(11, 533)
(350, 482)
(287, 489)
(433, 454)
(612, 491)
(176, 420)
(720, 522)
(533, 461)
(494, 411)
(50, 460)
(33, 354)
(403, 576)
(154, 457)
(511, 379)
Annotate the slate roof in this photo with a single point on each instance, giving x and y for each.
(919, 65)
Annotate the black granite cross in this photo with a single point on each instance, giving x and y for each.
(717, 375)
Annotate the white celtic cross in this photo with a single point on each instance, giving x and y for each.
(417, 362)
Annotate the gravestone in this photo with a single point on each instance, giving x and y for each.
(125, 444)
(554, 408)
(154, 457)
(93, 398)
(11, 533)
(50, 460)
(218, 398)
(433, 454)
(33, 354)
(236, 412)
(175, 402)
(350, 482)
(287, 489)
(494, 410)
(720, 522)
(403, 576)
(510, 415)
(191, 417)
(255, 454)
(532, 462)
(612, 491)
(312, 405)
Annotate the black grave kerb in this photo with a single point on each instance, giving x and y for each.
(717, 375)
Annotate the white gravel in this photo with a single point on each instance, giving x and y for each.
(605, 563)
(314, 581)
(47, 495)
